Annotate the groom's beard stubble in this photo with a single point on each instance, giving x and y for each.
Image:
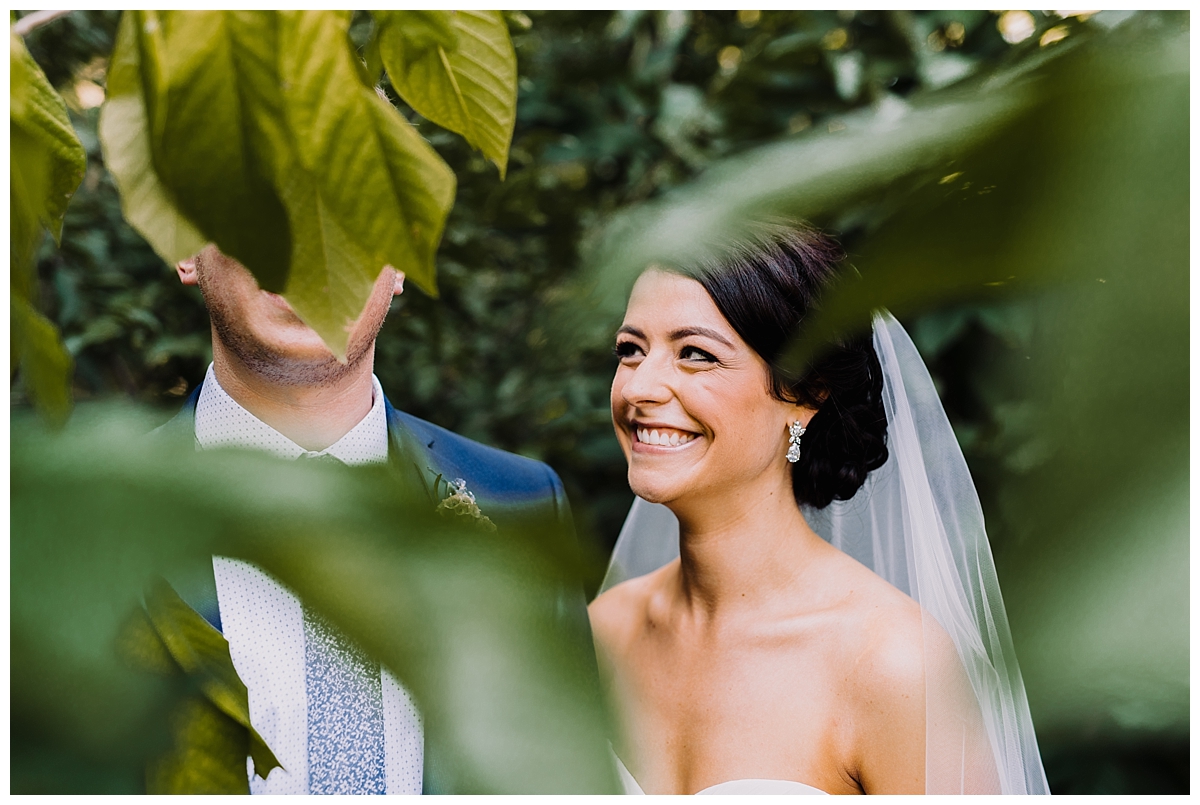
(276, 366)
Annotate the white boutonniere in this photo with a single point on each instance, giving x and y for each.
(460, 502)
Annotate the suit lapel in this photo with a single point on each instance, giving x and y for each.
(416, 459)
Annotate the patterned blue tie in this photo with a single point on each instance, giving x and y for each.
(345, 707)
(345, 713)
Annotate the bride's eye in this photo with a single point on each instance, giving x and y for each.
(626, 349)
(696, 354)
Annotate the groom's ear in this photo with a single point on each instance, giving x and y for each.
(186, 269)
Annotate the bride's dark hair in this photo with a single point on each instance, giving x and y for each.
(765, 285)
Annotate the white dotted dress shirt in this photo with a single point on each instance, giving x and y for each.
(264, 622)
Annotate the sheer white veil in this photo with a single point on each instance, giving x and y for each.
(918, 524)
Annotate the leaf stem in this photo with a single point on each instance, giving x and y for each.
(37, 19)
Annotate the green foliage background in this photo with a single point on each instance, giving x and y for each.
(615, 109)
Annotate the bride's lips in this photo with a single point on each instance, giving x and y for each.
(659, 437)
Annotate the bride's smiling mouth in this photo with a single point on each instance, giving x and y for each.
(655, 437)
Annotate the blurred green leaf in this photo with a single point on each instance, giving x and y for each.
(47, 158)
(203, 653)
(209, 753)
(44, 361)
(139, 644)
(458, 69)
(812, 178)
(148, 204)
(1027, 208)
(262, 134)
(468, 620)
(47, 163)
(1099, 613)
(942, 185)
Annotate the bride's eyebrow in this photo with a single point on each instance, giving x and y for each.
(684, 332)
(633, 331)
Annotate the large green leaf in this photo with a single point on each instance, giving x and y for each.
(207, 95)
(257, 130)
(879, 156)
(45, 363)
(467, 619)
(363, 189)
(47, 162)
(468, 85)
(930, 181)
(422, 30)
(208, 756)
(148, 205)
(203, 653)
(209, 748)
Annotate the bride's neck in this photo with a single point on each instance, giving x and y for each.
(736, 555)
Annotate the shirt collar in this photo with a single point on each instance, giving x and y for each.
(222, 422)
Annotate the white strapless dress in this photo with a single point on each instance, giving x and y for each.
(630, 785)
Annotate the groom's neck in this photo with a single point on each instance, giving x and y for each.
(314, 412)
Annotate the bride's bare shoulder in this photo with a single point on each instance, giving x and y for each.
(896, 650)
(894, 636)
(618, 613)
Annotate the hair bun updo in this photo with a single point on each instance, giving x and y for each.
(765, 286)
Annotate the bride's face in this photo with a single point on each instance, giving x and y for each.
(691, 402)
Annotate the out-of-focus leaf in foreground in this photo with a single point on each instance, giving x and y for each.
(875, 161)
(254, 130)
(940, 191)
(47, 163)
(1062, 179)
(43, 359)
(47, 158)
(465, 619)
(457, 68)
(211, 730)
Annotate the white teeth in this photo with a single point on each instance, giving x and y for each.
(663, 439)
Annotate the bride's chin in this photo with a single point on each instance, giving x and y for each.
(655, 489)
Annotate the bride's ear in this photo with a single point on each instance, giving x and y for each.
(799, 411)
(794, 412)
(802, 414)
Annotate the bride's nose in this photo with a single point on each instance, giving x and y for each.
(647, 383)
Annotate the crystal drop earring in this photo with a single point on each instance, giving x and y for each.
(795, 431)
